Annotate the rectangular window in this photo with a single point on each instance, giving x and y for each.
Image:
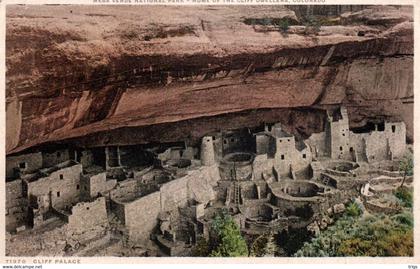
(393, 128)
(341, 148)
(282, 157)
(22, 165)
(77, 186)
(58, 194)
(61, 176)
(304, 156)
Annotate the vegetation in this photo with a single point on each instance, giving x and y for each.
(264, 245)
(406, 167)
(405, 195)
(371, 235)
(354, 209)
(226, 240)
(284, 25)
(312, 26)
(270, 21)
(357, 234)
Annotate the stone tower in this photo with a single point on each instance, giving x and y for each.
(207, 151)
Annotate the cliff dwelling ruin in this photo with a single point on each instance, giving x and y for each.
(130, 141)
(167, 195)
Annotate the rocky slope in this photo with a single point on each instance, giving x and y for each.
(98, 75)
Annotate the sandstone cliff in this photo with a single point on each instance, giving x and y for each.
(98, 75)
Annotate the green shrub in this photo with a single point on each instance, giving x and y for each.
(226, 238)
(283, 25)
(370, 235)
(312, 26)
(405, 195)
(353, 209)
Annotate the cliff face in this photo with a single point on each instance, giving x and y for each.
(120, 75)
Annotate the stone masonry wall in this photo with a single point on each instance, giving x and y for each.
(31, 161)
(64, 186)
(88, 220)
(16, 205)
(141, 216)
(288, 156)
(260, 165)
(340, 141)
(50, 159)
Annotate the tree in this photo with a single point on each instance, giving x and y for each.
(312, 25)
(284, 25)
(406, 167)
(227, 240)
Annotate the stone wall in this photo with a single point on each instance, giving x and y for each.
(262, 143)
(141, 216)
(125, 190)
(26, 163)
(396, 133)
(340, 141)
(88, 220)
(53, 158)
(174, 194)
(93, 185)
(16, 205)
(288, 158)
(86, 158)
(62, 186)
(237, 141)
(207, 154)
(381, 145)
(260, 165)
(318, 145)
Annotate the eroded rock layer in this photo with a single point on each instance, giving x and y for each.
(122, 75)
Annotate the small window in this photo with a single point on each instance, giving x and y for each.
(77, 187)
(208, 139)
(224, 141)
(351, 149)
(87, 208)
(214, 138)
(341, 148)
(288, 140)
(393, 128)
(58, 194)
(304, 155)
(232, 140)
(61, 176)
(58, 154)
(282, 157)
(22, 165)
(280, 140)
(344, 134)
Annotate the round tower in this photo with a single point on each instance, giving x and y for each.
(207, 151)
